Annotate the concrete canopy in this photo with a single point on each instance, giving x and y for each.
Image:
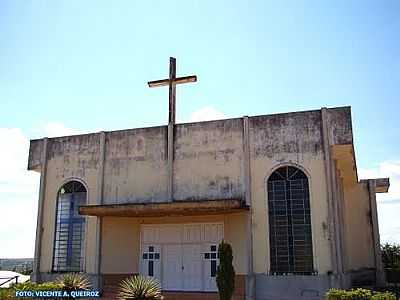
(177, 208)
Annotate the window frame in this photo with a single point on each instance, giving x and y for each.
(291, 268)
(83, 230)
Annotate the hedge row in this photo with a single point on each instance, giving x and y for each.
(9, 293)
(358, 294)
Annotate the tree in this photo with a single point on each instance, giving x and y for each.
(225, 272)
(391, 256)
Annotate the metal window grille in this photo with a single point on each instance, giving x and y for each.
(289, 222)
(70, 229)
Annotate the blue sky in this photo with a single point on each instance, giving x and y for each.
(76, 66)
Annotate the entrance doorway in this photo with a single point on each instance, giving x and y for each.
(183, 257)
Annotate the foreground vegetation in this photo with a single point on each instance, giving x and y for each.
(358, 294)
(139, 287)
(67, 282)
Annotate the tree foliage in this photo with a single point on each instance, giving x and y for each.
(391, 256)
(225, 271)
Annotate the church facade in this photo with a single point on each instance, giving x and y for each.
(282, 189)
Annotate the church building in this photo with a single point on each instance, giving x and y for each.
(282, 189)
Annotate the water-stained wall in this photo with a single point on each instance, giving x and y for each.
(130, 166)
(208, 160)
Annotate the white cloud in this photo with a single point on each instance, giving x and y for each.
(55, 129)
(18, 195)
(19, 189)
(388, 203)
(206, 113)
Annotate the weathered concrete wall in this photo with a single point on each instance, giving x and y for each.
(121, 240)
(135, 166)
(293, 139)
(208, 165)
(339, 125)
(208, 160)
(358, 228)
(75, 157)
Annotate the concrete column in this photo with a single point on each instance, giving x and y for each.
(246, 161)
(250, 280)
(39, 224)
(380, 275)
(100, 200)
(333, 209)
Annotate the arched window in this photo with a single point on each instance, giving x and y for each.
(70, 228)
(289, 222)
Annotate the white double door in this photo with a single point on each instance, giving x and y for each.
(183, 257)
(182, 267)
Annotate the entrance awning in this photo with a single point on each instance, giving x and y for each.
(176, 208)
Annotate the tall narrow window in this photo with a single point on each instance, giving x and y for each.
(70, 227)
(289, 222)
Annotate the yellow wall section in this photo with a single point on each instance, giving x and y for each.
(120, 245)
(314, 167)
(358, 230)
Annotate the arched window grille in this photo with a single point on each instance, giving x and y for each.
(289, 222)
(70, 228)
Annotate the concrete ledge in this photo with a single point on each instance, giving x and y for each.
(177, 208)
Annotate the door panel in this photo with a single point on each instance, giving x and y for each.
(172, 267)
(192, 267)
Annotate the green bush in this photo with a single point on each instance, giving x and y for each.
(383, 296)
(73, 282)
(140, 288)
(7, 294)
(225, 272)
(358, 294)
(31, 286)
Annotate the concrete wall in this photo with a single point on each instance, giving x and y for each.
(209, 164)
(135, 166)
(208, 160)
(358, 228)
(296, 140)
(121, 240)
(75, 157)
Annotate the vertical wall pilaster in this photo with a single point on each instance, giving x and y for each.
(246, 161)
(250, 281)
(39, 223)
(380, 275)
(100, 200)
(333, 209)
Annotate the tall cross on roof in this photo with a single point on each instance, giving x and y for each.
(172, 81)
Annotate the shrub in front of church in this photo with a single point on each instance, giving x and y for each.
(9, 293)
(73, 282)
(358, 294)
(32, 286)
(140, 288)
(225, 271)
